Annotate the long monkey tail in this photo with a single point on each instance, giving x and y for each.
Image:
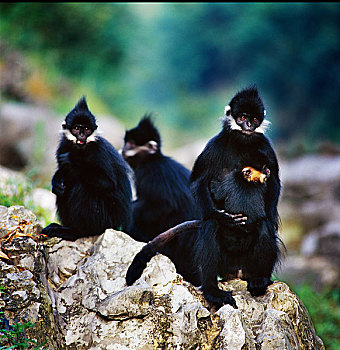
(141, 259)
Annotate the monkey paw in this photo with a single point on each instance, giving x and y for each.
(230, 219)
(258, 286)
(50, 230)
(221, 298)
(265, 171)
(253, 175)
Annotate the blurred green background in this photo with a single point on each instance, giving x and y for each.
(184, 62)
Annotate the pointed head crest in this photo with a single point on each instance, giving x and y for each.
(144, 132)
(247, 100)
(80, 114)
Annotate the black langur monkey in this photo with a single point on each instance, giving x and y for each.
(163, 192)
(91, 183)
(237, 172)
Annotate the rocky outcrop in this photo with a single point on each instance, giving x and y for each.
(76, 295)
(25, 293)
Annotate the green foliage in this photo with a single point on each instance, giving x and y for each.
(17, 195)
(20, 193)
(290, 50)
(324, 309)
(67, 32)
(16, 338)
(185, 61)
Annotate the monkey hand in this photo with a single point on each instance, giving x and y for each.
(265, 171)
(64, 158)
(253, 175)
(225, 218)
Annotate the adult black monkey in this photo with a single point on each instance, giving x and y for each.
(91, 183)
(163, 191)
(236, 173)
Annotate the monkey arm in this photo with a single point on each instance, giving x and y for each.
(58, 185)
(90, 171)
(209, 210)
(273, 189)
(200, 179)
(202, 174)
(203, 197)
(56, 230)
(271, 200)
(97, 181)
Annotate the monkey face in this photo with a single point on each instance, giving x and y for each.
(80, 125)
(81, 132)
(248, 123)
(141, 142)
(133, 153)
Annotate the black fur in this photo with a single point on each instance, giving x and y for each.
(225, 244)
(163, 191)
(222, 249)
(91, 183)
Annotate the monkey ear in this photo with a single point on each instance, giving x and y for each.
(63, 125)
(152, 147)
(227, 111)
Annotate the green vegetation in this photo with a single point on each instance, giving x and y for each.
(16, 338)
(184, 61)
(325, 313)
(20, 193)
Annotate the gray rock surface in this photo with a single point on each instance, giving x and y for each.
(76, 295)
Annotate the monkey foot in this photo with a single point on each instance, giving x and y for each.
(253, 175)
(221, 298)
(258, 286)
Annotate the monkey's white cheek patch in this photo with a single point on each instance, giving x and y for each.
(92, 137)
(69, 135)
(232, 123)
(130, 153)
(263, 127)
